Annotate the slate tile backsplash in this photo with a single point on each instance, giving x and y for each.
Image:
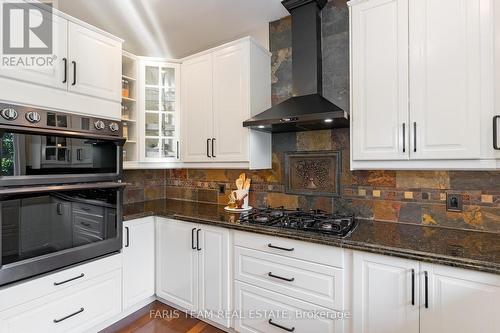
(399, 196)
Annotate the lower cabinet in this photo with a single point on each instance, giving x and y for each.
(398, 295)
(192, 267)
(138, 260)
(73, 306)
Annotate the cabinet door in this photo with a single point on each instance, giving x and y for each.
(231, 71)
(445, 79)
(96, 61)
(160, 111)
(138, 261)
(177, 263)
(379, 111)
(459, 300)
(52, 76)
(197, 116)
(214, 272)
(383, 293)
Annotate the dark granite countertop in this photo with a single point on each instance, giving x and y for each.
(460, 248)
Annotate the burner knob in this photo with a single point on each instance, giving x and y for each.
(33, 117)
(9, 114)
(99, 124)
(114, 127)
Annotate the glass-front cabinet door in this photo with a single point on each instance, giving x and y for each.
(160, 111)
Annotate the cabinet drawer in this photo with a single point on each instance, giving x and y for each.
(73, 310)
(258, 306)
(305, 280)
(16, 294)
(89, 209)
(323, 254)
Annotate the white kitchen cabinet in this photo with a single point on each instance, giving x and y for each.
(422, 84)
(445, 79)
(459, 300)
(159, 115)
(177, 263)
(383, 297)
(193, 267)
(197, 115)
(421, 297)
(380, 80)
(221, 88)
(95, 63)
(138, 260)
(50, 76)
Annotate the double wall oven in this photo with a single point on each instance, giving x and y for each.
(60, 190)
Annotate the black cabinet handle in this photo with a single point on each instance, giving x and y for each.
(404, 137)
(280, 277)
(496, 145)
(208, 148)
(198, 240)
(69, 280)
(69, 316)
(282, 327)
(65, 70)
(178, 153)
(128, 237)
(74, 73)
(412, 286)
(414, 137)
(280, 248)
(192, 239)
(426, 286)
(213, 149)
(79, 154)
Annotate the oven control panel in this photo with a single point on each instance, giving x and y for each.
(40, 118)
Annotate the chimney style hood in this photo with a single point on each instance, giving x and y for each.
(307, 109)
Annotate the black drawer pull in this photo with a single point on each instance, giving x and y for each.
(282, 327)
(192, 239)
(280, 277)
(496, 145)
(69, 280)
(128, 237)
(74, 73)
(198, 240)
(412, 286)
(69, 316)
(426, 286)
(280, 248)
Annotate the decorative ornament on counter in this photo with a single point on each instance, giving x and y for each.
(238, 199)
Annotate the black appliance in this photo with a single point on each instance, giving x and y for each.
(318, 221)
(307, 109)
(61, 194)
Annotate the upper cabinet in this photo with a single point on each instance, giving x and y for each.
(221, 88)
(159, 111)
(422, 84)
(84, 76)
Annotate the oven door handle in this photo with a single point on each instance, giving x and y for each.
(53, 188)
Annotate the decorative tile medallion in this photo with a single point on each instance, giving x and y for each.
(313, 173)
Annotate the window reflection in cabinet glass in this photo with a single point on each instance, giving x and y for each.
(168, 149)
(152, 75)
(152, 99)
(167, 124)
(152, 124)
(152, 148)
(168, 77)
(50, 154)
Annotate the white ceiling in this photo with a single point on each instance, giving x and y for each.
(175, 28)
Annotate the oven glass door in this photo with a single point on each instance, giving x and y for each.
(30, 156)
(44, 231)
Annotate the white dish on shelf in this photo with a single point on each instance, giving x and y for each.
(238, 210)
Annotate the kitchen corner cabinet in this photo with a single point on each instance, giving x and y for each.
(221, 88)
(192, 266)
(418, 102)
(159, 111)
(138, 260)
(392, 294)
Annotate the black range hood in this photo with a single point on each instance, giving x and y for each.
(307, 109)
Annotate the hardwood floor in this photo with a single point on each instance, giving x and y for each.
(160, 318)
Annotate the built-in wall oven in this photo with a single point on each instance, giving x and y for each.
(60, 190)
